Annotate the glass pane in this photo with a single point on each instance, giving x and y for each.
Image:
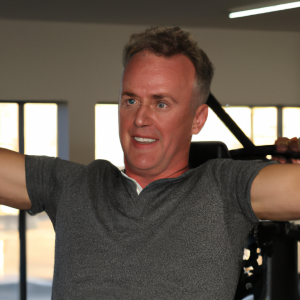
(9, 255)
(291, 122)
(9, 122)
(108, 144)
(40, 256)
(242, 117)
(264, 125)
(9, 236)
(40, 129)
(215, 130)
(40, 139)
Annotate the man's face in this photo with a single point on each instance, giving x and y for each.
(155, 117)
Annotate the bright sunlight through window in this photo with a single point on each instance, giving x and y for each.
(9, 138)
(291, 122)
(40, 129)
(9, 122)
(215, 130)
(108, 145)
(264, 125)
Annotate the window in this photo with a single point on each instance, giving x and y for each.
(38, 123)
(214, 129)
(108, 145)
(291, 121)
(261, 124)
(40, 130)
(9, 237)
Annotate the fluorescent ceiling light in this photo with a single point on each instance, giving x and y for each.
(263, 10)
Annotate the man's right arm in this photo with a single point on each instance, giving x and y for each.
(13, 190)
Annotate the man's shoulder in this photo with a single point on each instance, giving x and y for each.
(102, 165)
(223, 168)
(101, 170)
(212, 164)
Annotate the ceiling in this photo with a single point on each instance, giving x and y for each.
(200, 13)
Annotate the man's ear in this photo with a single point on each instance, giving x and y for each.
(199, 118)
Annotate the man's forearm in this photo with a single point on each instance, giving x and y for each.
(275, 193)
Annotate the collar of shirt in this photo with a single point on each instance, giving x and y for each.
(137, 186)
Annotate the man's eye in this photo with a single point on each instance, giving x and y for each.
(161, 105)
(131, 101)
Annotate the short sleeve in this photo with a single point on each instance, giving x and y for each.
(235, 179)
(47, 178)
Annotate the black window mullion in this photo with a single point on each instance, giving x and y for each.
(22, 216)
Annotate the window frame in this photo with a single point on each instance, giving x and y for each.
(279, 115)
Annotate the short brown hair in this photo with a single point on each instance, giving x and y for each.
(169, 41)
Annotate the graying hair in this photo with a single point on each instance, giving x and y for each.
(169, 41)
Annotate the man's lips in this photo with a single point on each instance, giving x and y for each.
(144, 140)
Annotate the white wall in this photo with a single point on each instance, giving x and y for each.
(81, 63)
(254, 67)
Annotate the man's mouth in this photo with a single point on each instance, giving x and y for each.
(144, 140)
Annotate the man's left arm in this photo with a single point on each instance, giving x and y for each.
(275, 192)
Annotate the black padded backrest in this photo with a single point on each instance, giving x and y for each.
(200, 152)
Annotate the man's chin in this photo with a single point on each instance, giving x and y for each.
(142, 167)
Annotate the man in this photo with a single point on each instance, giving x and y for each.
(158, 230)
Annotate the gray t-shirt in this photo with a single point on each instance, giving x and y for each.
(180, 238)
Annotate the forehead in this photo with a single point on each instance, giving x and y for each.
(148, 68)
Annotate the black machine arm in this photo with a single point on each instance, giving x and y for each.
(260, 152)
(250, 151)
(217, 108)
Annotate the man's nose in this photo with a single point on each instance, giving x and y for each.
(143, 116)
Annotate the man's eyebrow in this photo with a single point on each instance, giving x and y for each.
(129, 94)
(155, 96)
(162, 96)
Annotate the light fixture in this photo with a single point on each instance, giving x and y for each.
(263, 10)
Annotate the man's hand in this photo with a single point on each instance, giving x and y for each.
(13, 190)
(284, 144)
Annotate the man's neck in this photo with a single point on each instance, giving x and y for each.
(144, 179)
